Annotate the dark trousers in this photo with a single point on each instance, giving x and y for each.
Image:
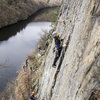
(58, 52)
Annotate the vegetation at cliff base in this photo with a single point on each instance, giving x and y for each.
(28, 76)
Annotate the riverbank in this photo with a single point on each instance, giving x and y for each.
(28, 76)
(41, 15)
(21, 10)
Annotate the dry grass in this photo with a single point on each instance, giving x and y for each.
(9, 92)
(23, 85)
(34, 60)
(26, 82)
(12, 11)
(44, 39)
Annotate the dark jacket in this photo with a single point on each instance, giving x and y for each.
(58, 43)
(32, 97)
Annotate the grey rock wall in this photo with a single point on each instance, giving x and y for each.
(77, 75)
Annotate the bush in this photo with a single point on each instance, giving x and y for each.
(55, 15)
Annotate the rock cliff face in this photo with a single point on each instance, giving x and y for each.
(77, 73)
(12, 11)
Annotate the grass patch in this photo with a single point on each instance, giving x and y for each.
(55, 15)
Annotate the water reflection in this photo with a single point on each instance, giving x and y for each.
(11, 30)
(42, 15)
(14, 50)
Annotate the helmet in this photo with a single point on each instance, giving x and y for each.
(33, 93)
(54, 33)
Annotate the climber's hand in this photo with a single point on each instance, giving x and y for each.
(64, 45)
(63, 37)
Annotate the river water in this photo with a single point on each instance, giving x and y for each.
(16, 42)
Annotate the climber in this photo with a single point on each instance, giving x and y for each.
(59, 46)
(32, 96)
(39, 48)
(47, 43)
